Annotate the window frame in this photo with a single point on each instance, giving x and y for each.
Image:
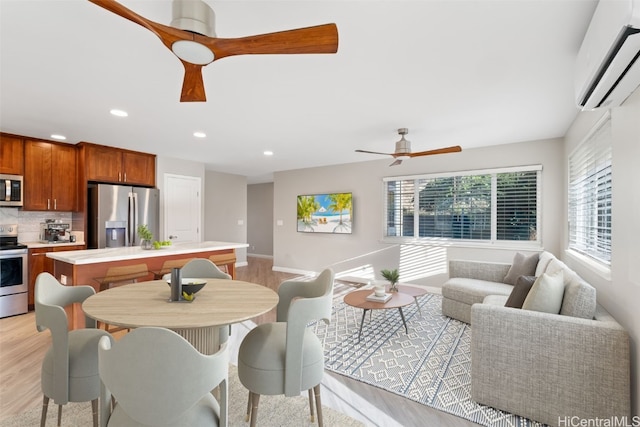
(445, 241)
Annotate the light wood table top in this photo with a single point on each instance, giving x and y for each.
(359, 299)
(219, 302)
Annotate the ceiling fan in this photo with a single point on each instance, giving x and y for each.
(191, 37)
(403, 149)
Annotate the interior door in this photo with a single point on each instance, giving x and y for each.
(182, 207)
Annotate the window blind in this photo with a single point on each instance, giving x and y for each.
(496, 205)
(590, 194)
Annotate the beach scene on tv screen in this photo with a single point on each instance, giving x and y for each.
(325, 213)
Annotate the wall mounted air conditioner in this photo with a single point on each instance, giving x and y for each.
(608, 63)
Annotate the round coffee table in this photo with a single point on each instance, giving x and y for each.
(358, 299)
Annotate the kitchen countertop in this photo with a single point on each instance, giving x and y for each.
(34, 245)
(93, 256)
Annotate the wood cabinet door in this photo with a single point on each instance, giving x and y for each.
(11, 155)
(38, 262)
(103, 164)
(139, 168)
(37, 176)
(63, 177)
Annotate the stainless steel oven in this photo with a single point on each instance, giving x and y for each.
(13, 273)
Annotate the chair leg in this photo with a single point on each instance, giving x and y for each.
(313, 417)
(94, 409)
(248, 417)
(45, 406)
(255, 398)
(316, 389)
(59, 415)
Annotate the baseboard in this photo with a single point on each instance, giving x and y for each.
(242, 264)
(260, 256)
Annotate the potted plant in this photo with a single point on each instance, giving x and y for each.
(392, 276)
(146, 236)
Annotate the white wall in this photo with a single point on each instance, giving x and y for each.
(364, 250)
(260, 219)
(225, 210)
(619, 293)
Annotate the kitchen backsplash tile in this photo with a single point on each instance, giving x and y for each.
(29, 221)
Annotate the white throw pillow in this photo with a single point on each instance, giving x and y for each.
(546, 293)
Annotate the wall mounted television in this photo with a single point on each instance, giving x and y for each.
(325, 213)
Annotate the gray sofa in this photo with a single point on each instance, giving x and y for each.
(544, 366)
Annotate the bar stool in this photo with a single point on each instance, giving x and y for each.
(224, 262)
(120, 276)
(167, 266)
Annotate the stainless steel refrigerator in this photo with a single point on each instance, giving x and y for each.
(116, 211)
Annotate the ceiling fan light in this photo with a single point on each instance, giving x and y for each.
(192, 52)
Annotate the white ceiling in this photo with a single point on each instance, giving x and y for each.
(469, 73)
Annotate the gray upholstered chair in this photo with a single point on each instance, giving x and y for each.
(159, 379)
(200, 268)
(203, 268)
(285, 357)
(70, 366)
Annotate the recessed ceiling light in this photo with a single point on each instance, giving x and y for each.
(119, 113)
(199, 134)
(268, 153)
(60, 137)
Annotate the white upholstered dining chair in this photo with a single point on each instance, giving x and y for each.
(159, 379)
(70, 366)
(286, 357)
(203, 268)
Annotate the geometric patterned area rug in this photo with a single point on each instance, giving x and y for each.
(430, 365)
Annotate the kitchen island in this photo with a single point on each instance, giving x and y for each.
(90, 266)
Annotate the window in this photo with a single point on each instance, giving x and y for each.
(590, 194)
(483, 206)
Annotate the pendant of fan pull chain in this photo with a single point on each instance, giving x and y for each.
(191, 38)
(403, 149)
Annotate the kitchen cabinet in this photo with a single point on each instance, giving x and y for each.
(38, 263)
(50, 182)
(114, 165)
(11, 155)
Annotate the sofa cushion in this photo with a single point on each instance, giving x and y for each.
(522, 265)
(579, 299)
(520, 291)
(543, 261)
(546, 294)
(498, 300)
(471, 291)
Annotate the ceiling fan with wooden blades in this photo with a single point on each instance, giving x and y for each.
(191, 37)
(403, 149)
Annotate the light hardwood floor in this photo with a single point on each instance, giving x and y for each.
(22, 349)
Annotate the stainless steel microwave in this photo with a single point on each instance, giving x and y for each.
(11, 190)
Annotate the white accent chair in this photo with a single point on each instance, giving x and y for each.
(286, 357)
(202, 268)
(159, 379)
(70, 366)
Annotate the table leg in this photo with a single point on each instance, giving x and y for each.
(419, 309)
(403, 321)
(364, 313)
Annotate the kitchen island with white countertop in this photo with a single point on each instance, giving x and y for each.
(93, 266)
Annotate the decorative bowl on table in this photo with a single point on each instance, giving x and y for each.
(191, 286)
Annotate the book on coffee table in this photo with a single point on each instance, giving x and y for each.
(373, 297)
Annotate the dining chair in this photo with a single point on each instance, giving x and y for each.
(203, 268)
(70, 366)
(159, 379)
(286, 357)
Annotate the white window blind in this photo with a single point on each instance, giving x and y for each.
(590, 194)
(484, 206)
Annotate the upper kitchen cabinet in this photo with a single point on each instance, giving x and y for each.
(108, 164)
(11, 154)
(50, 181)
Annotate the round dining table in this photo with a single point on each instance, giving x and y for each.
(220, 302)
